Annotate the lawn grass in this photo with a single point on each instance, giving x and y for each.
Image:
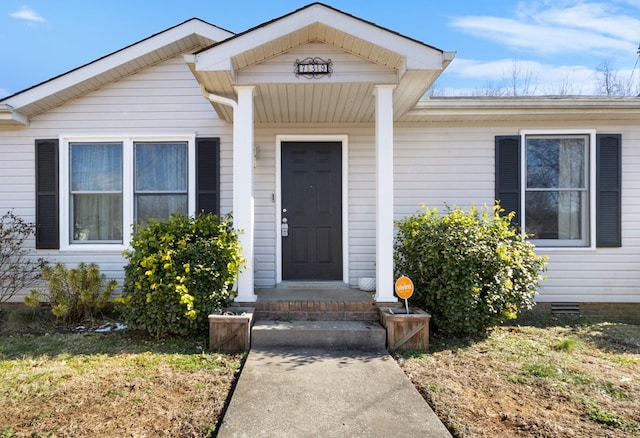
(541, 377)
(118, 384)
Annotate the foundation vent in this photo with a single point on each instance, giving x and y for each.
(565, 308)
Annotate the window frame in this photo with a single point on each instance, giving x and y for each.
(128, 208)
(588, 217)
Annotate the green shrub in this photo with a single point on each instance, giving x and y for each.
(179, 271)
(75, 294)
(471, 270)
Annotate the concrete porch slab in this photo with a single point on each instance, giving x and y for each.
(325, 293)
(319, 334)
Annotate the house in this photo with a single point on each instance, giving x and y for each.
(313, 129)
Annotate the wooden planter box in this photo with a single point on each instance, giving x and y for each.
(230, 330)
(405, 332)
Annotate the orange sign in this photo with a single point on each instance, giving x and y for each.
(404, 287)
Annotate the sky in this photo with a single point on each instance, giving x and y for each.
(538, 46)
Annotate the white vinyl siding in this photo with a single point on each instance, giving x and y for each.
(164, 99)
(453, 165)
(437, 166)
(349, 68)
(434, 164)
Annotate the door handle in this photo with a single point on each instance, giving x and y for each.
(284, 228)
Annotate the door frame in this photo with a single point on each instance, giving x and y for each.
(344, 140)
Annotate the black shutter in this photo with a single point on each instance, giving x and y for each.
(608, 190)
(47, 206)
(208, 175)
(508, 190)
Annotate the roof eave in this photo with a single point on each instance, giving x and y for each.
(220, 54)
(12, 118)
(114, 60)
(518, 108)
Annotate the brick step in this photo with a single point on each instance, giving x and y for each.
(314, 301)
(316, 310)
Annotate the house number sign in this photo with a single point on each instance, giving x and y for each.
(312, 68)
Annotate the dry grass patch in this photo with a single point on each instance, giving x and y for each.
(546, 378)
(85, 385)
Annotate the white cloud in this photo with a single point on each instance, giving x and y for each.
(593, 17)
(28, 14)
(559, 27)
(584, 32)
(542, 78)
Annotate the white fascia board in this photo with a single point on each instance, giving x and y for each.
(528, 104)
(447, 58)
(7, 113)
(419, 56)
(119, 58)
(221, 65)
(220, 56)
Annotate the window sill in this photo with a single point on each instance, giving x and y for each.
(94, 247)
(564, 248)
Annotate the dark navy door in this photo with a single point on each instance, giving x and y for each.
(312, 210)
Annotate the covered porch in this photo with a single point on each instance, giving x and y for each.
(307, 71)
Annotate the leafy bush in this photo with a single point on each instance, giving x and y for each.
(75, 294)
(180, 271)
(471, 270)
(17, 270)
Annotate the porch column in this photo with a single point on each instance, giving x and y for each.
(384, 193)
(243, 187)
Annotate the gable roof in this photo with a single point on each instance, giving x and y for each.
(185, 37)
(220, 59)
(415, 65)
(319, 6)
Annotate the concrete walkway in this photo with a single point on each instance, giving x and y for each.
(326, 393)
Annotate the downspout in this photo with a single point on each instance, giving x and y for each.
(224, 101)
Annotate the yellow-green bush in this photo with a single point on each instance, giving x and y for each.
(179, 271)
(471, 270)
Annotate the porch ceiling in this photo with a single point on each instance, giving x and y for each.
(281, 97)
(317, 100)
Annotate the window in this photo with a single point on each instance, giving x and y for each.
(103, 174)
(556, 201)
(565, 187)
(161, 180)
(95, 192)
(89, 191)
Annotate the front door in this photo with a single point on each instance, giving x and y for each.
(312, 210)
